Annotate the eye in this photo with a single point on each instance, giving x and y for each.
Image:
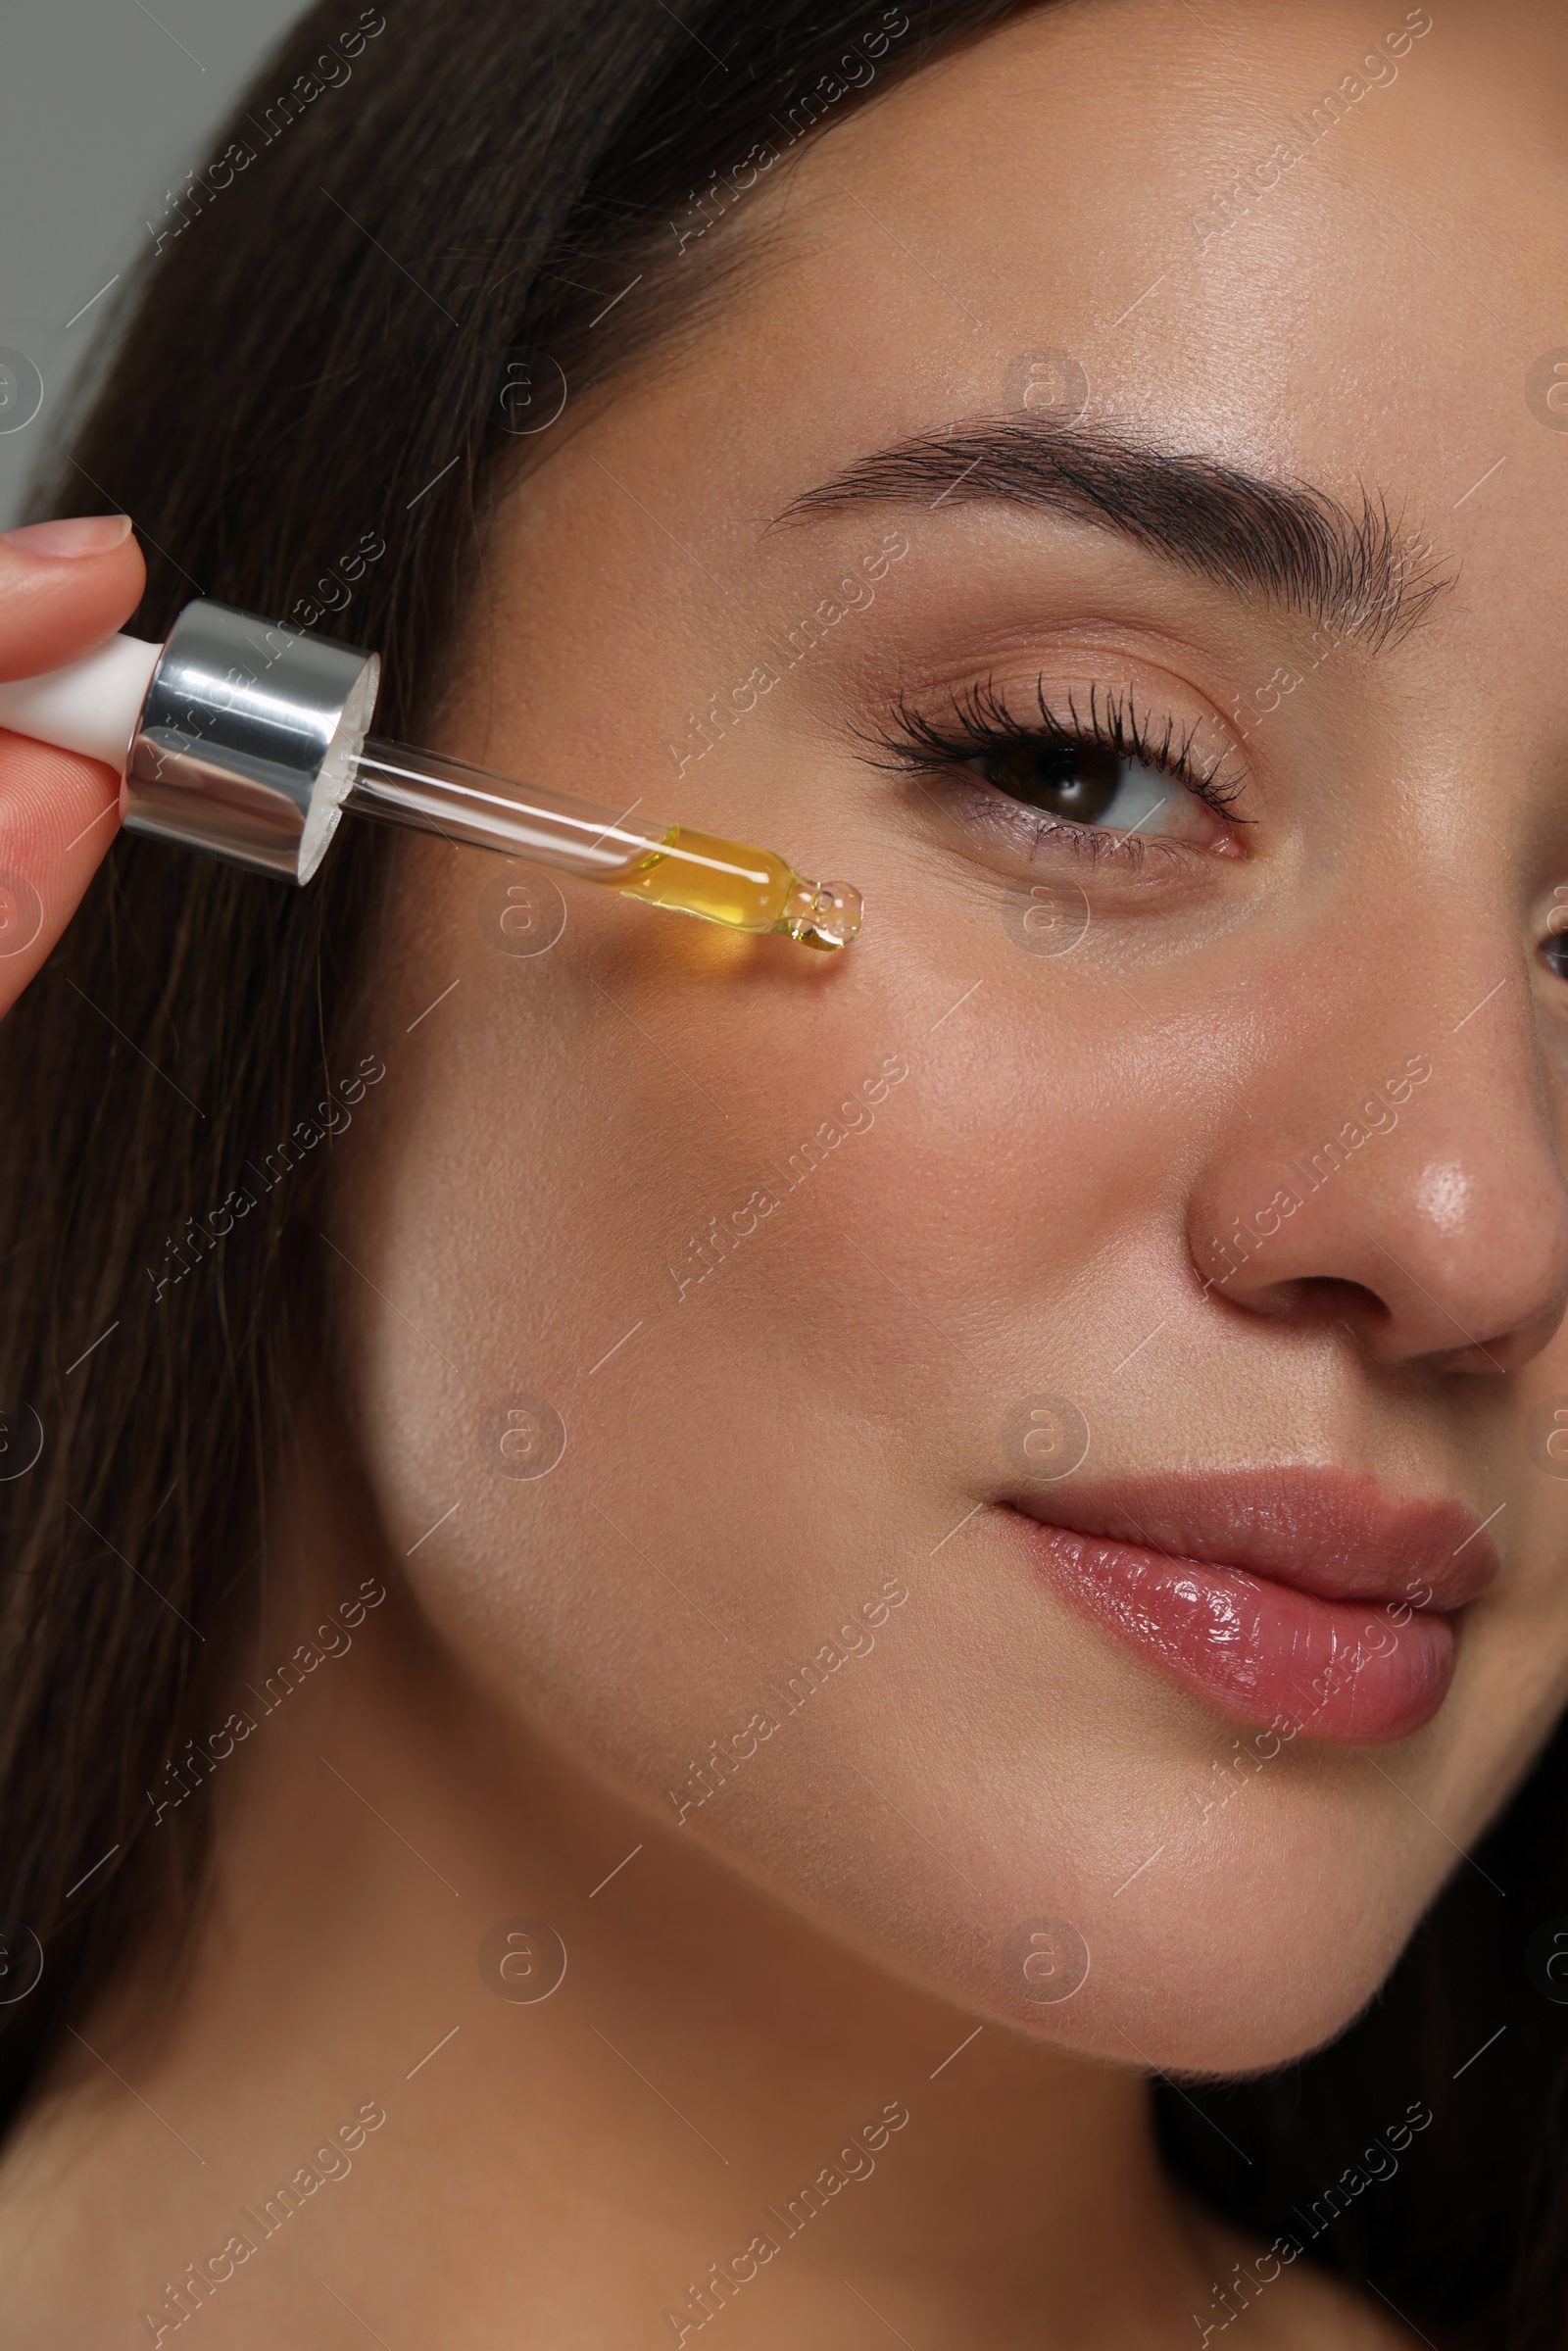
(1086, 783)
(1553, 947)
(1089, 767)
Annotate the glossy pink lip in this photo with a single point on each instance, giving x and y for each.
(1309, 1600)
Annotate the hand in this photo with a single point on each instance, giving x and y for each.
(63, 587)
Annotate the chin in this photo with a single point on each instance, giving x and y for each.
(1248, 1940)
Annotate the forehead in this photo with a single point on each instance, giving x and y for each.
(1312, 239)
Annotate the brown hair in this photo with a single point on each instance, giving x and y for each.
(328, 347)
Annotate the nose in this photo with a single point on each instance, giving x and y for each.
(1399, 1174)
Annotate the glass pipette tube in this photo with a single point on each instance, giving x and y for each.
(247, 742)
(727, 882)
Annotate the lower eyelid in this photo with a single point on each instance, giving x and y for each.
(1024, 831)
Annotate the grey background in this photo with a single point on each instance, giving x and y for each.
(104, 106)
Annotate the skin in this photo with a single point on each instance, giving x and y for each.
(821, 1418)
(64, 586)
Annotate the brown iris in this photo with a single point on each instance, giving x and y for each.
(1076, 781)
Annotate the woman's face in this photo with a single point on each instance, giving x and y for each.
(1059, 1401)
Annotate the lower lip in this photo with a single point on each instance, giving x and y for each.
(1353, 1672)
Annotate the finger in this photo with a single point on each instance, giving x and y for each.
(58, 812)
(63, 587)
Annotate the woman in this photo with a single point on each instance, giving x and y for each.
(684, 1611)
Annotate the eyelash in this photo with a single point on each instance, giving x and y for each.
(982, 723)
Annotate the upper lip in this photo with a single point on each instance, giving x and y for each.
(1338, 1534)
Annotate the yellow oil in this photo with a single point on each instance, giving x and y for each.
(723, 881)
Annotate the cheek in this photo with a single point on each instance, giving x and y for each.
(662, 1495)
(688, 1351)
(611, 1311)
(637, 1269)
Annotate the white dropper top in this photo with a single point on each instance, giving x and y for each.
(91, 706)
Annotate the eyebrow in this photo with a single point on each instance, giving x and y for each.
(1356, 573)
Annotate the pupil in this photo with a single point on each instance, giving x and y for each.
(1074, 780)
(1555, 954)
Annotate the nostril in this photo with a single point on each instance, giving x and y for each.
(1316, 1302)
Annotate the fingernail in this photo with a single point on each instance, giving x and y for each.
(79, 534)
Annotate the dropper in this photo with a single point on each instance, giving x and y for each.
(248, 740)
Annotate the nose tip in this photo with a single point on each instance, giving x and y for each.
(1457, 1325)
(1443, 1237)
(1443, 1193)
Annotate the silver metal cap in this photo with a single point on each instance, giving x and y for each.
(247, 740)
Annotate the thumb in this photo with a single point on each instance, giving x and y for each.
(63, 587)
